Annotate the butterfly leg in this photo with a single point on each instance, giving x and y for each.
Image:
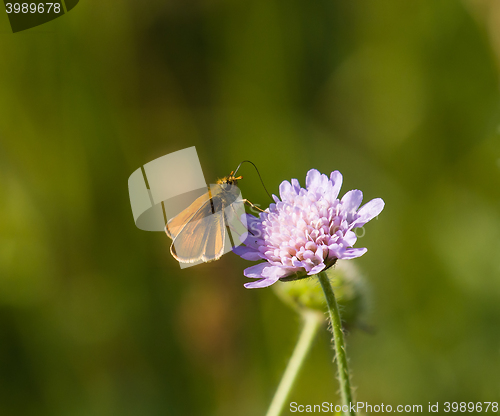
(246, 201)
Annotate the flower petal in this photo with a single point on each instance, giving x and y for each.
(296, 186)
(256, 270)
(250, 220)
(248, 253)
(316, 269)
(276, 271)
(335, 251)
(336, 179)
(350, 238)
(369, 211)
(285, 188)
(261, 283)
(313, 179)
(351, 200)
(251, 241)
(267, 274)
(352, 253)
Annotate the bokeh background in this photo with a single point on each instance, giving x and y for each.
(96, 317)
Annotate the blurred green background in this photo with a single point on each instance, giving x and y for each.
(96, 317)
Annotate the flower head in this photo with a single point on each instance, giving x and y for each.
(306, 231)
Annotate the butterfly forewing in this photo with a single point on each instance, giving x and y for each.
(199, 232)
(176, 224)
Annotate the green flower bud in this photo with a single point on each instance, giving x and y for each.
(348, 284)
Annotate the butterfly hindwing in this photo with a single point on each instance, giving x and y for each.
(215, 238)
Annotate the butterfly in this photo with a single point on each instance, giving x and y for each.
(204, 230)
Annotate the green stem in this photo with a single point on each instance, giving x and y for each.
(312, 320)
(338, 338)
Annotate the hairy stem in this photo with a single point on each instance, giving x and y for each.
(338, 338)
(312, 320)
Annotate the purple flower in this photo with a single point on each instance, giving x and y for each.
(305, 232)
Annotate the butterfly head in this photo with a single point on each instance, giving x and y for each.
(229, 180)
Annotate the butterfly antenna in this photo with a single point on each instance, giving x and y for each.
(258, 173)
